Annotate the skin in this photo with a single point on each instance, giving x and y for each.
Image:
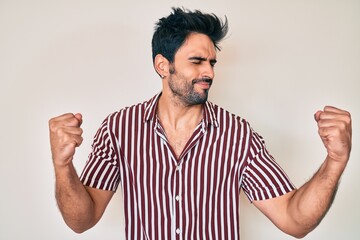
(300, 211)
(80, 206)
(186, 83)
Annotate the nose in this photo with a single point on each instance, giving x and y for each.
(208, 71)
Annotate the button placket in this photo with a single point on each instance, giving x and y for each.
(177, 201)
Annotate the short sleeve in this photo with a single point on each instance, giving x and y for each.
(102, 168)
(263, 178)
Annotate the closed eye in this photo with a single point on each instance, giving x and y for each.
(199, 60)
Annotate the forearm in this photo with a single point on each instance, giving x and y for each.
(74, 202)
(309, 204)
(300, 211)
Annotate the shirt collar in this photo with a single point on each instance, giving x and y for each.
(209, 111)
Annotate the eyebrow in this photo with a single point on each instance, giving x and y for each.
(212, 61)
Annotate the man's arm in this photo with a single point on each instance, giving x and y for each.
(300, 211)
(80, 206)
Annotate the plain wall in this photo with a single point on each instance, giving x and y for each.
(282, 61)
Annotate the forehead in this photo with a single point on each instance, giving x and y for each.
(197, 44)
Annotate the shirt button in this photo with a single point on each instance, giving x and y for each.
(177, 198)
(178, 168)
(178, 231)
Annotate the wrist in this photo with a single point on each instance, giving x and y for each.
(336, 163)
(62, 168)
(332, 168)
(60, 162)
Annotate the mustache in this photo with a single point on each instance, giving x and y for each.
(206, 80)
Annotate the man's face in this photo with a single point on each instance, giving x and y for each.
(192, 72)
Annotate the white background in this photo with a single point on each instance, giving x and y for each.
(282, 61)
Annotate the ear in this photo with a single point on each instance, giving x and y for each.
(161, 65)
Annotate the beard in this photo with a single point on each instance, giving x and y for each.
(184, 90)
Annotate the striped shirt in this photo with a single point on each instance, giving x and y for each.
(194, 196)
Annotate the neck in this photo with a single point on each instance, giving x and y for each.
(177, 116)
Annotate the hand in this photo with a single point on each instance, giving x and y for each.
(335, 132)
(65, 136)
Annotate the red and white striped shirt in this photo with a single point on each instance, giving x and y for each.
(195, 196)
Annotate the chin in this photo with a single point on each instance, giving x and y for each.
(198, 99)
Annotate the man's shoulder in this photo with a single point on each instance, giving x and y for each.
(130, 108)
(221, 112)
(135, 110)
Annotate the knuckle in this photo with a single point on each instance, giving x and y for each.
(342, 125)
(73, 121)
(51, 123)
(59, 131)
(80, 140)
(320, 131)
(346, 115)
(348, 119)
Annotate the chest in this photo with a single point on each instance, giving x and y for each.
(177, 140)
(172, 175)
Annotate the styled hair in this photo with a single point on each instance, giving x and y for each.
(172, 31)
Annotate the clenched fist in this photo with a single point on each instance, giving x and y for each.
(65, 136)
(335, 131)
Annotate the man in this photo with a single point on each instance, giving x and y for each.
(182, 160)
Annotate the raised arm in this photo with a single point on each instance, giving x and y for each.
(80, 206)
(300, 211)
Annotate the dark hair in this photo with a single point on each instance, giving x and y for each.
(172, 31)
